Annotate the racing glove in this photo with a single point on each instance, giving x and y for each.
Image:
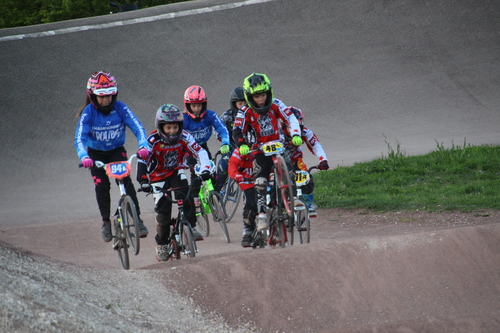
(146, 187)
(224, 149)
(323, 165)
(143, 153)
(238, 178)
(205, 175)
(244, 149)
(297, 140)
(87, 162)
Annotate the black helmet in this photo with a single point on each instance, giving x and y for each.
(236, 95)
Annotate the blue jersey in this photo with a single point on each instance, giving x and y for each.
(105, 133)
(202, 131)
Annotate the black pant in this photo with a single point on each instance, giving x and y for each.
(102, 183)
(163, 207)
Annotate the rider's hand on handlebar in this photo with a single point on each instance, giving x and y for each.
(143, 153)
(205, 175)
(297, 140)
(238, 178)
(146, 187)
(244, 149)
(323, 165)
(87, 162)
(224, 149)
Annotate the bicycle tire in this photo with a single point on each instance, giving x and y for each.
(286, 198)
(276, 230)
(218, 214)
(120, 245)
(131, 223)
(231, 198)
(303, 224)
(202, 222)
(189, 247)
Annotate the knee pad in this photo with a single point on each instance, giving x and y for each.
(261, 184)
(162, 220)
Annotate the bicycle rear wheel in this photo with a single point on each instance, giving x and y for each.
(285, 188)
(189, 246)
(218, 214)
(120, 244)
(231, 198)
(131, 223)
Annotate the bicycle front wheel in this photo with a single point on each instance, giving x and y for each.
(131, 223)
(303, 225)
(231, 198)
(120, 245)
(285, 186)
(189, 246)
(276, 232)
(218, 214)
(202, 222)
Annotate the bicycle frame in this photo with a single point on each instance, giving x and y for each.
(212, 203)
(188, 247)
(126, 233)
(205, 190)
(281, 211)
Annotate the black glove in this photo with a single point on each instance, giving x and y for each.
(323, 165)
(205, 175)
(146, 187)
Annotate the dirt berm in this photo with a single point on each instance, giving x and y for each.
(432, 281)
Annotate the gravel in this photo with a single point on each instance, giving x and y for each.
(43, 295)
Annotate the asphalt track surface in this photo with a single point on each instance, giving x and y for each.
(367, 74)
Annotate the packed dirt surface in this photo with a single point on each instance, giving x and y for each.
(362, 272)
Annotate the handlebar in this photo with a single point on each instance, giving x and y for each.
(158, 189)
(101, 164)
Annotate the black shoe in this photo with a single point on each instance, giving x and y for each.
(143, 230)
(246, 241)
(106, 231)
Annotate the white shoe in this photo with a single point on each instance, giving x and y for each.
(312, 212)
(261, 221)
(299, 204)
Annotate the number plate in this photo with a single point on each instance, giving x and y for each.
(302, 178)
(272, 148)
(118, 170)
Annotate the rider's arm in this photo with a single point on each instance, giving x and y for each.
(290, 120)
(198, 152)
(135, 125)
(82, 133)
(239, 127)
(313, 144)
(219, 126)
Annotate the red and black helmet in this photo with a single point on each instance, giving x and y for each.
(102, 84)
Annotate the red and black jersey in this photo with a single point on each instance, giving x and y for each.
(241, 164)
(166, 159)
(266, 127)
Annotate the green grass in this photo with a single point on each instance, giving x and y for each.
(462, 179)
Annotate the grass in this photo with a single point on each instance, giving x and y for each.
(462, 179)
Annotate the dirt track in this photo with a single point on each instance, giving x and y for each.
(391, 272)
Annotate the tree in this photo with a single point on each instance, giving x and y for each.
(15, 13)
